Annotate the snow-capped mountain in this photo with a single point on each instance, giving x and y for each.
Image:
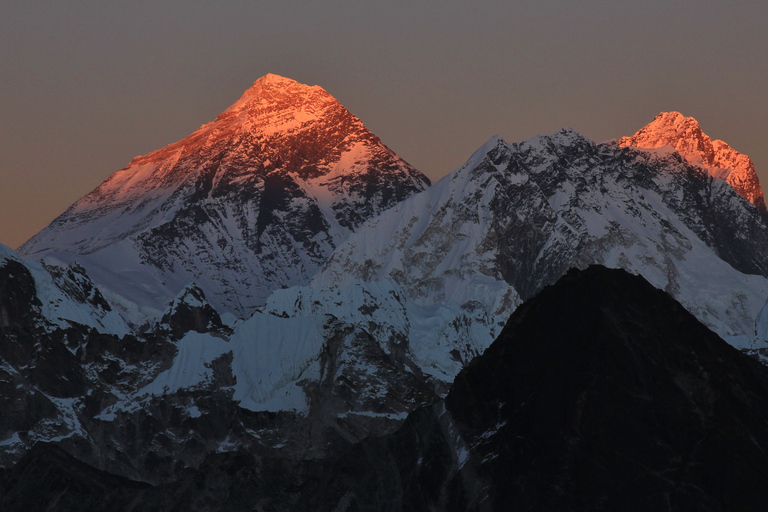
(516, 217)
(347, 342)
(721, 160)
(252, 202)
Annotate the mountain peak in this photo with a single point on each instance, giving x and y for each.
(271, 84)
(685, 135)
(273, 79)
(676, 130)
(253, 201)
(673, 118)
(277, 99)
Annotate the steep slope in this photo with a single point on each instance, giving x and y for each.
(627, 402)
(251, 202)
(58, 340)
(516, 217)
(39, 297)
(601, 393)
(718, 158)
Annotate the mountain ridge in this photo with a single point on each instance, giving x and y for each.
(518, 215)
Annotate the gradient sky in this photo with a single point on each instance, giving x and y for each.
(86, 86)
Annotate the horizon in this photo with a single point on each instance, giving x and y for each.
(92, 87)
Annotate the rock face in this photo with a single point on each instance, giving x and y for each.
(59, 364)
(35, 296)
(601, 393)
(718, 158)
(252, 202)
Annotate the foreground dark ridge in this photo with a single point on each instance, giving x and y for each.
(601, 393)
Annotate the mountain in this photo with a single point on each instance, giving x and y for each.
(344, 345)
(625, 402)
(718, 158)
(252, 202)
(517, 216)
(150, 405)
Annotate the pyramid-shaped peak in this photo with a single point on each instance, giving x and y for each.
(275, 91)
(274, 83)
(273, 79)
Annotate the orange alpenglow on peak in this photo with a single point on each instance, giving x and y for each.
(252, 202)
(279, 85)
(718, 158)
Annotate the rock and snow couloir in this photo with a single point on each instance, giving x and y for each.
(252, 202)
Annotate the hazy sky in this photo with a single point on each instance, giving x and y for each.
(86, 86)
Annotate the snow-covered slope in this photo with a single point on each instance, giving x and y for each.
(685, 136)
(516, 217)
(251, 202)
(57, 297)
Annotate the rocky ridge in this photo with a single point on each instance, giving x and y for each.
(517, 216)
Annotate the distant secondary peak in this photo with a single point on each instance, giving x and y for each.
(685, 135)
(676, 130)
(568, 136)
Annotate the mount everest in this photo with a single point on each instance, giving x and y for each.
(280, 282)
(252, 202)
